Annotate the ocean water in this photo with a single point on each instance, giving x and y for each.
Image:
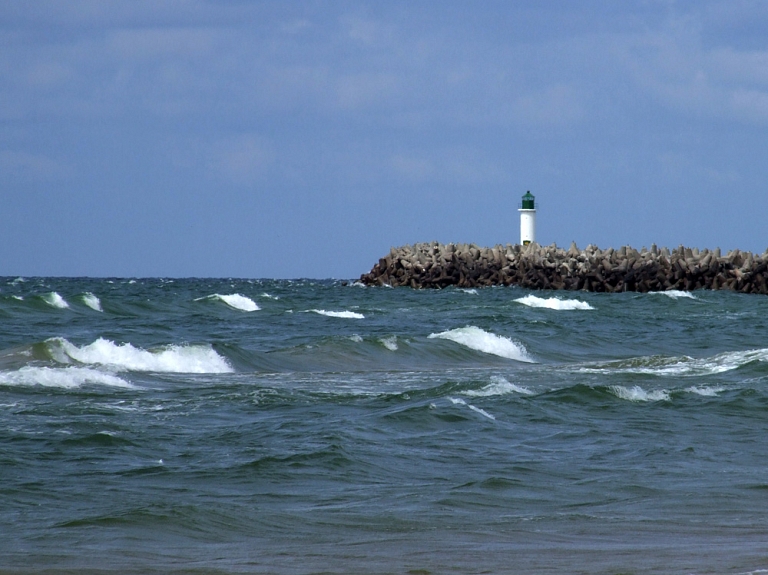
(236, 426)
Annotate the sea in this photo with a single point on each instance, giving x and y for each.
(226, 426)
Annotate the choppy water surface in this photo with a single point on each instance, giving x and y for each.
(233, 426)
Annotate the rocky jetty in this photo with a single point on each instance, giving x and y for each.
(434, 265)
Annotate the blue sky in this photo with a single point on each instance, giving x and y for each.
(303, 139)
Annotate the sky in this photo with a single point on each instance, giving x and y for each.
(303, 139)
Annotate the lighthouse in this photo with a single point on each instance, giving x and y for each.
(527, 219)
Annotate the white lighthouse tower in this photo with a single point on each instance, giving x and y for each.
(527, 219)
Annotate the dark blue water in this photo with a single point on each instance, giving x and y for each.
(233, 426)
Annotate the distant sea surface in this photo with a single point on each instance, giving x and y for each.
(291, 427)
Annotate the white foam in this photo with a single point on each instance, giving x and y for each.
(344, 314)
(92, 301)
(469, 291)
(684, 366)
(480, 340)
(235, 301)
(18, 297)
(458, 401)
(553, 303)
(705, 391)
(61, 377)
(676, 294)
(266, 295)
(637, 393)
(356, 338)
(389, 342)
(125, 357)
(55, 300)
(498, 386)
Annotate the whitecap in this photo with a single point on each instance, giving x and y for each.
(458, 401)
(469, 291)
(92, 301)
(389, 342)
(344, 314)
(637, 393)
(125, 357)
(235, 301)
(268, 296)
(676, 294)
(18, 297)
(682, 366)
(55, 300)
(486, 342)
(61, 377)
(553, 303)
(498, 386)
(705, 391)
(356, 338)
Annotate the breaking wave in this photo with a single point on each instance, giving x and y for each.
(482, 412)
(61, 377)
(389, 342)
(498, 386)
(125, 357)
(637, 393)
(553, 303)
(344, 314)
(92, 301)
(53, 299)
(235, 301)
(681, 366)
(486, 342)
(676, 294)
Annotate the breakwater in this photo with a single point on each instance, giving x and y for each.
(434, 265)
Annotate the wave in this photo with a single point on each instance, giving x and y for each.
(676, 294)
(65, 378)
(235, 301)
(486, 342)
(460, 401)
(92, 301)
(125, 357)
(498, 386)
(705, 391)
(553, 303)
(637, 393)
(471, 291)
(389, 342)
(53, 299)
(681, 366)
(268, 296)
(344, 314)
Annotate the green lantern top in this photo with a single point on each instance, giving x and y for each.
(528, 199)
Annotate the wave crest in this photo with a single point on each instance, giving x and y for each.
(553, 303)
(344, 314)
(486, 342)
(125, 357)
(235, 301)
(637, 393)
(682, 366)
(92, 301)
(65, 378)
(676, 294)
(498, 386)
(53, 299)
